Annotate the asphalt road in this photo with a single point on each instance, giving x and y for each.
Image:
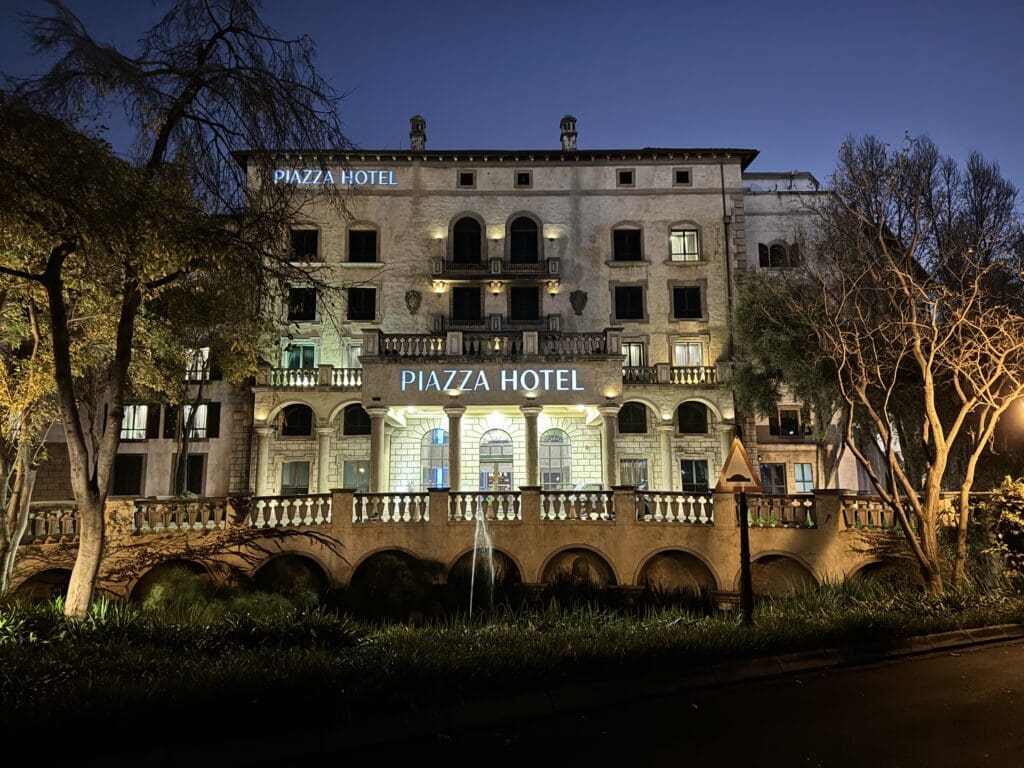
(958, 709)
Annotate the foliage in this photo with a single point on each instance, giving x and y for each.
(1003, 511)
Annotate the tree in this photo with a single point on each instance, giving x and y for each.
(208, 80)
(909, 305)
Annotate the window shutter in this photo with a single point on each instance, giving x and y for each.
(213, 419)
(216, 374)
(171, 421)
(762, 255)
(152, 422)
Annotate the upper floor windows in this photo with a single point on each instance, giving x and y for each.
(524, 179)
(140, 422)
(684, 245)
(633, 418)
(355, 421)
(625, 177)
(778, 254)
(523, 304)
(305, 245)
(467, 305)
(297, 421)
(629, 302)
(692, 418)
(686, 302)
(627, 244)
(301, 304)
(633, 354)
(681, 177)
(467, 179)
(524, 241)
(197, 364)
(467, 241)
(362, 305)
(362, 246)
(299, 356)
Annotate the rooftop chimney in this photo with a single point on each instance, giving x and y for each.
(417, 133)
(568, 126)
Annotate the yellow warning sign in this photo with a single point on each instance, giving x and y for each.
(737, 473)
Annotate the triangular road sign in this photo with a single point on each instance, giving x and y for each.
(737, 473)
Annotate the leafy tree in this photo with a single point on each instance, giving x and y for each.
(208, 80)
(908, 310)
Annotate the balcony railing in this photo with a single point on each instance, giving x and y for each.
(491, 268)
(345, 379)
(698, 374)
(577, 505)
(391, 508)
(792, 511)
(511, 343)
(662, 373)
(479, 344)
(290, 511)
(486, 505)
(639, 374)
(51, 522)
(411, 345)
(573, 344)
(672, 507)
(164, 515)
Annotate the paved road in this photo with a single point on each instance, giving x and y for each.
(958, 709)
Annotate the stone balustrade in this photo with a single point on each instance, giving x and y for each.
(340, 379)
(790, 511)
(577, 505)
(391, 508)
(290, 511)
(670, 507)
(165, 515)
(51, 522)
(488, 505)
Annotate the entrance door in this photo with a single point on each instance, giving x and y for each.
(496, 466)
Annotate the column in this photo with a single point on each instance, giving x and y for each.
(323, 458)
(454, 413)
(725, 433)
(609, 425)
(377, 457)
(262, 458)
(668, 478)
(530, 413)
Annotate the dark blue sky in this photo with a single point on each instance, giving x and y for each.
(791, 79)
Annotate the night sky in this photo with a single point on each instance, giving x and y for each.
(790, 79)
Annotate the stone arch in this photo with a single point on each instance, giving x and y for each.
(677, 570)
(893, 572)
(289, 572)
(279, 407)
(535, 219)
(44, 586)
(652, 416)
(511, 567)
(368, 560)
(340, 408)
(450, 249)
(580, 563)
(776, 574)
(716, 413)
(160, 573)
(291, 420)
(695, 416)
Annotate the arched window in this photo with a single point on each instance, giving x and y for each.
(297, 420)
(434, 459)
(467, 236)
(524, 241)
(633, 419)
(692, 418)
(555, 460)
(777, 255)
(356, 420)
(496, 466)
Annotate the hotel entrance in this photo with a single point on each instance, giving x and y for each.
(496, 462)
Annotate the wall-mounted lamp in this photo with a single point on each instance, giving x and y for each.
(454, 392)
(530, 394)
(437, 286)
(553, 287)
(610, 394)
(495, 287)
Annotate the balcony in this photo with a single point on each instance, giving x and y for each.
(493, 268)
(501, 344)
(325, 376)
(664, 374)
(771, 434)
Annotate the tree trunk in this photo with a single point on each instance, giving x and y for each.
(90, 553)
(17, 517)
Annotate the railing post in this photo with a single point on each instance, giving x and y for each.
(529, 503)
(530, 343)
(325, 375)
(453, 347)
(613, 341)
(341, 513)
(371, 342)
(438, 501)
(828, 510)
(724, 506)
(663, 373)
(624, 504)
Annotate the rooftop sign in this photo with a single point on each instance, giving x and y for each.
(319, 177)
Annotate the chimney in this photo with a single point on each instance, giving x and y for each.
(568, 126)
(417, 133)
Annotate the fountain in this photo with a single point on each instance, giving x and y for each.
(481, 543)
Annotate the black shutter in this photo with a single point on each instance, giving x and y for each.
(216, 374)
(213, 419)
(152, 421)
(171, 421)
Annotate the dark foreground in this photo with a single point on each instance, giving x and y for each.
(955, 709)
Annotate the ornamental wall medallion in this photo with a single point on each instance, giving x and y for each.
(413, 299)
(578, 300)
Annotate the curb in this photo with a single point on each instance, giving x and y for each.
(568, 699)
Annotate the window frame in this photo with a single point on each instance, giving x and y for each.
(516, 182)
(375, 318)
(627, 346)
(614, 288)
(138, 411)
(464, 290)
(689, 287)
(697, 257)
(631, 184)
(803, 484)
(554, 458)
(285, 431)
(293, 256)
(281, 491)
(706, 420)
(362, 229)
(480, 239)
(775, 428)
(645, 422)
(624, 228)
(688, 170)
(459, 179)
(689, 343)
(434, 456)
(193, 372)
(521, 290)
(511, 236)
(306, 292)
(770, 473)
(288, 345)
(694, 486)
(346, 426)
(140, 458)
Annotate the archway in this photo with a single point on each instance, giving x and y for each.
(894, 573)
(677, 571)
(181, 575)
(45, 586)
(290, 574)
(779, 575)
(579, 566)
(393, 583)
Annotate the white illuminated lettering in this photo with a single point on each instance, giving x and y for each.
(391, 179)
(408, 377)
(359, 177)
(508, 380)
(534, 379)
(449, 380)
(464, 384)
(280, 175)
(562, 383)
(328, 177)
(432, 380)
(575, 386)
(481, 381)
(546, 377)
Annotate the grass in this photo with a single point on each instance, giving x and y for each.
(244, 659)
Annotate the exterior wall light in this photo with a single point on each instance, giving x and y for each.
(495, 287)
(437, 285)
(553, 287)
(530, 394)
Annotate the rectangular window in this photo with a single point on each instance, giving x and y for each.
(694, 475)
(633, 472)
(298, 356)
(681, 177)
(362, 304)
(786, 424)
(687, 354)
(362, 245)
(197, 364)
(624, 177)
(467, 178)
(353, 351)
(633, 354)
(134, 422)
(127, 479)
(773, 478)
(295, 478)
(803, 478)
(524, 179)
(629, 302)
(466, 305)
(305, 245)
(356, 474)
(195, 473)
(523, 304)
(683, 245)
(686, 303)
(301, 304)
(627, 245)
(205, 422)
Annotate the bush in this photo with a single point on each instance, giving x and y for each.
(1002, 513)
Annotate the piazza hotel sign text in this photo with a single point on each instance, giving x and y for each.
(320, 177)
(503, 380)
